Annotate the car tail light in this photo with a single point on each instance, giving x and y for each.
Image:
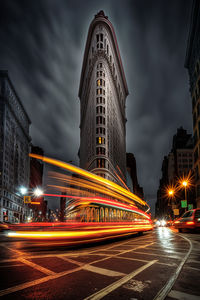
(190, 223)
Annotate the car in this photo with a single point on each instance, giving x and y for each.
(189, 220)
(161, 223)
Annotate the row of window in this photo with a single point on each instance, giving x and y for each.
(112, 65)
(100, 120)
(100, 100)
(100, 140)
(100, 74)
(185, 166)
(100, 130)
(185, 160)
(185, 154)
(99, 66)
(100, 91)
(100, 110)
(11, 205)
(100, 82)
(101, 163)
(100, 151)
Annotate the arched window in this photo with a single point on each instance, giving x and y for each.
(99, 39)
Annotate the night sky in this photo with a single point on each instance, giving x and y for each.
(42, 44)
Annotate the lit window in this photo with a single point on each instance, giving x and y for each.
(101, 163)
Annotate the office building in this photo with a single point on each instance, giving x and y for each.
(14, 152)
(103, 91)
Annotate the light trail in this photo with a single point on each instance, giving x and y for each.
(85, 184)
(92, 233)
(92, 176)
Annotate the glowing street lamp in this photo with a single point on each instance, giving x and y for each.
(38, 192)
(185, 184)
(170, 193)
(23, 190)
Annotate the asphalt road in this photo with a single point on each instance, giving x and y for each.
(160, 264)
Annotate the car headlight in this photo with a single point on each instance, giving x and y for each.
(163, 222)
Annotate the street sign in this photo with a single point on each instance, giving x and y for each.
(176, 212)
(27, 199)
(184, 203)
(190, 206)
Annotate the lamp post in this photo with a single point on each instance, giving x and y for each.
(171, 195)
(185, 184)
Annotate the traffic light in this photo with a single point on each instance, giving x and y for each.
(27, 199)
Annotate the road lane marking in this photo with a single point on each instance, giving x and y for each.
(71, 261)
(102, 271)
(180, 295)
(89, 267)
(191, 268)
(161, 295)
(36, 282)
(167, 248)
(166, 256)
(54, 275)
(107, 290)
(193, 261)
(14, 250)
(144, 260)
(37, 267)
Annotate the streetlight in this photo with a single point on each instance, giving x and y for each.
(23, 190)
(38, 192)
(171, 193)
(185, 184)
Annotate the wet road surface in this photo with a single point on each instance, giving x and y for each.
(160, 264)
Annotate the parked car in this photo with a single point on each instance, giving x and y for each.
(189, 220)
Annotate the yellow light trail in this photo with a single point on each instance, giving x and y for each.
(92, 176)
(75, 234)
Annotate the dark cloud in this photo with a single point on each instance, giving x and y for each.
(42, 46)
